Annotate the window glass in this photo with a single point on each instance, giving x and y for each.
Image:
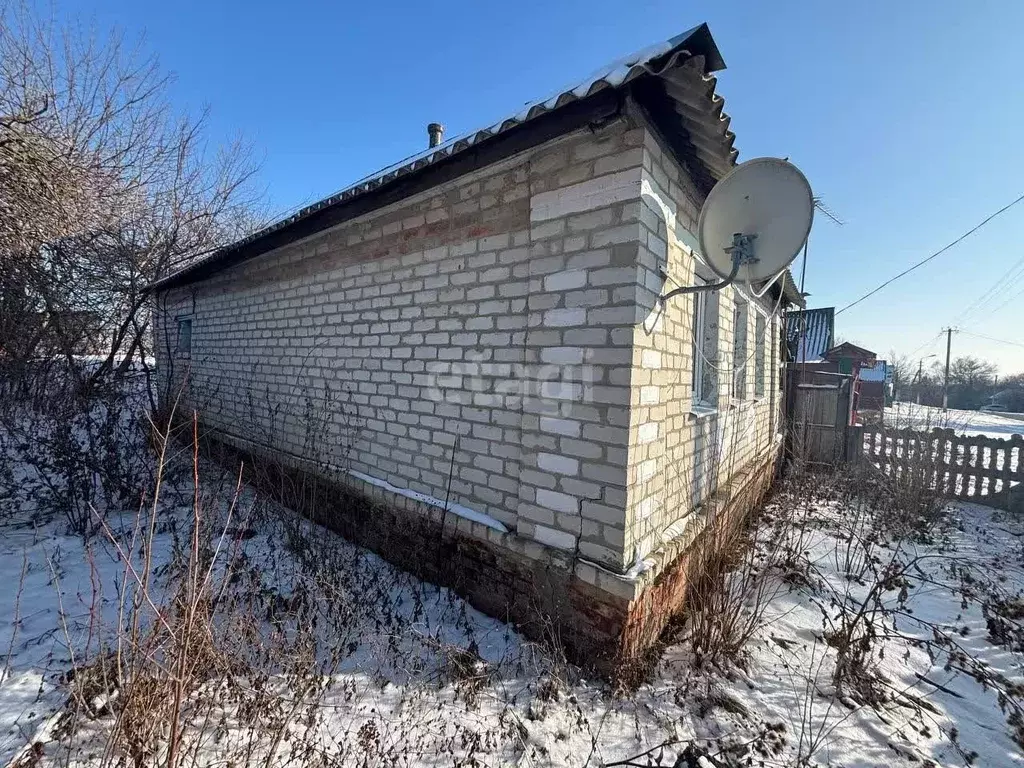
(706, 361)
(760, 332)
(185, 336)
(700, 305)
(739, 350)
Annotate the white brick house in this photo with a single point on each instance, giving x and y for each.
(472, 344)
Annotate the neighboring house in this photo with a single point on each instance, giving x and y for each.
(810, 334)
(850, 360)
(814, 361)
(474, 340)
(875, 387)
(1011, 399)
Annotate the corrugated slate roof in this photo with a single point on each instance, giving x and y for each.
(683, 64)
(818, 331)
(790, 292)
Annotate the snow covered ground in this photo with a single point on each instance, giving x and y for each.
(964, 422)
(929, 629)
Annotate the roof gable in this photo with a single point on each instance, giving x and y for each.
(846, 349)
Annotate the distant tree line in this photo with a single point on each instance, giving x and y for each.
(973, 382)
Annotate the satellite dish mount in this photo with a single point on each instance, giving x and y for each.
(766, 200)
(742, 252)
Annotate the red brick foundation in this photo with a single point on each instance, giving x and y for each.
(650, 612)
(537, 591)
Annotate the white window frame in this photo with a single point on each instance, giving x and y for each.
(740, 339)
(699, 368)
(760, 340)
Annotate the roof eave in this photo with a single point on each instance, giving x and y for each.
(790, 293)
(402, 183)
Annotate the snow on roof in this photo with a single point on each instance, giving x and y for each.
(879, 372)
(684, 61)
(818, 328)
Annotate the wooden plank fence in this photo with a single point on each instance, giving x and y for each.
(975, 468)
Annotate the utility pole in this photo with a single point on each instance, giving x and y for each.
(945, 381)
(920, 374)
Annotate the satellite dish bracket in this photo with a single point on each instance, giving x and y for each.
(742, 252)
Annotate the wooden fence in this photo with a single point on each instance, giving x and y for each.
(981, 469)
(819, 408)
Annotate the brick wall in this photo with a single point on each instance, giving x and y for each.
(471, 343)
(498, 343)
(681, 451)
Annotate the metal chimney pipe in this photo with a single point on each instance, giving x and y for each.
(436, 133)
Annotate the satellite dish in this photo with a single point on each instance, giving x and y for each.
(755, 220)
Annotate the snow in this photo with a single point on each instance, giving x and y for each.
(978, 544)
(426, 680)
(51, 618)
(968, 423)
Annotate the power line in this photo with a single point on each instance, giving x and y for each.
(1008, 288)
(992, 338)
(938, 253)
(928, 343)
(1009, 298)
(998, 289)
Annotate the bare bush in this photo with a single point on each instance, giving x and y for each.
(741, 565)
(740, 569)
(103, 189)
(71, 454)
(254, 639)
(906, 484)
(211, 658)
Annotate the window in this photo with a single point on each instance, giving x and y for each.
(778, 353)
(740, 319)
(705, 347)
(185, 336)
(700, 306)
(700, 461)
(759, 342)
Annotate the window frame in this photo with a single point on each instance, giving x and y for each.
(699, 317)
(740, 359)
(184, 331)
(760, 354)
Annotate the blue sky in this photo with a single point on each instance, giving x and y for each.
(905, 116)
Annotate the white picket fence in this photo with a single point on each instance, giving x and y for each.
(979, 468)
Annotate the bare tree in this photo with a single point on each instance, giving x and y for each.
(903, 371)
(102, 189)
(971, 381)
(971, 372)
(1014, 380)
